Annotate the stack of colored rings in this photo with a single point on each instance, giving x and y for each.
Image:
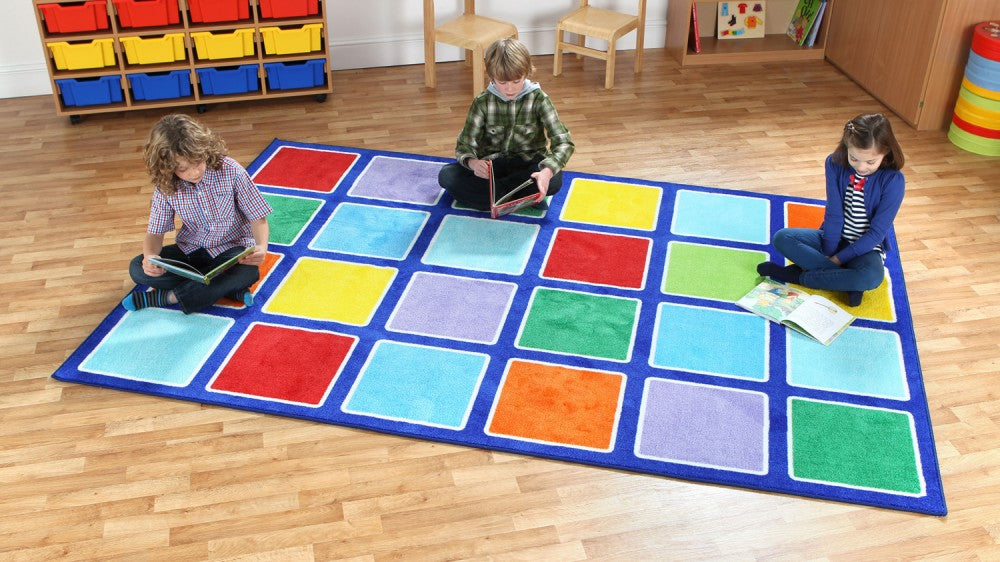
(975, 125)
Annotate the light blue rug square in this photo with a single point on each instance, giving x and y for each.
(722, 216)
(157, 345)
(860, 361)
(497, 246)
(369, 230)
(418, 384)
(710, 341)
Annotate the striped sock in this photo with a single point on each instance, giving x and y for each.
(139, 300)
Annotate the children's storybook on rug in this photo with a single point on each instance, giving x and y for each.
(812, 315)
(505, 200)
(190, 272)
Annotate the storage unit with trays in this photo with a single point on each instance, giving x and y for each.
(116, 55)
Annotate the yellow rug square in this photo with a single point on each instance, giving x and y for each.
(609, 203)
(332, 290)
(876, 305)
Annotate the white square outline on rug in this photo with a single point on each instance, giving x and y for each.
(762, 256)
(472, 395)
(500, 324)
(305, 225)
(632, 337)
(640, 425)
(239, 343)
(288, 276)
(226, 323)
(792, 335)
(368, 167)
(618, 408)
(913, 437)
(347, 171)
(552, 243)
(654, 343)
(449, 219)
(765, 235)
(658, 206)
(413, 240)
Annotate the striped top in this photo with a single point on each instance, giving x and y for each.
(856, 222)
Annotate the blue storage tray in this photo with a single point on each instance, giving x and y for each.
(228, 80)
(90, 91)
(292, 75)
(160, 85)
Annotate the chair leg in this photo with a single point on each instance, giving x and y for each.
(638, 49)
(478, 72)
(557, 60)
(430, 78)
(609, 68)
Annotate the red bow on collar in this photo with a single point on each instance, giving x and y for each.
(857, 183)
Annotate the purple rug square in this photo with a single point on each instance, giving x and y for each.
(399, 179)
(703, 425)
(457, 308)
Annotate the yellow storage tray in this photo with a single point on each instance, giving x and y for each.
(223, 45)
(74, 56)
(154, 50)
(278, 41)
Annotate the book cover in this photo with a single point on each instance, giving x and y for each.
(811, 40)
(694, 37)
(188, 271)
(504, 201)
(741, 20)
(802, 20)
(812, 315)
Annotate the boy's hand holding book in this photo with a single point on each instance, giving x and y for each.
(256, 257)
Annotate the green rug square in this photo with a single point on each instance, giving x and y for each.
(574, 323)
(854, 446)
(710, 272)
(290, 217)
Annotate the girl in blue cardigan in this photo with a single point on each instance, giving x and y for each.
(864, 189)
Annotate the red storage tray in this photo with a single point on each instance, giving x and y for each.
(147, 13)
(207, 11)
(288, 8)
(75, 18)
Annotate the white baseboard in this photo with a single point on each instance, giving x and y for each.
(24, 80)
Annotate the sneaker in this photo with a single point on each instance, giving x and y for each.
(244, 296)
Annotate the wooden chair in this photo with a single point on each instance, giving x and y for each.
(470, 32)
(588, 21)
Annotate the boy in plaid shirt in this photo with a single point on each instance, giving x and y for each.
(222, 212)
(513, 124)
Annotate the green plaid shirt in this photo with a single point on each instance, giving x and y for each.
(496, 127)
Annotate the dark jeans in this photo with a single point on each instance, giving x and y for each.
(191, 295)
(802, 246)
(473, 191)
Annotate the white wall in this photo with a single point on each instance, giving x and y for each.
(363, 34)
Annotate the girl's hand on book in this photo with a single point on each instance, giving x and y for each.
(255, 258)
(150, 268)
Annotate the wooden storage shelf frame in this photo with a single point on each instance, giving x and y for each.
(122, 67)
(773, 47)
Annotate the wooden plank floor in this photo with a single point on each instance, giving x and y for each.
(94, 474)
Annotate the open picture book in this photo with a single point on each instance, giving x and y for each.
(505, 200)
(812, 315)
(190, 272)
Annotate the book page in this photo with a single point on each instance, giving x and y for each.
(772, 300)
(514, 192)
(820, 318)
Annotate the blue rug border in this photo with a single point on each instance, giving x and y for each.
(933, 503)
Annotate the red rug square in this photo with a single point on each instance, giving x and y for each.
(598, 258)
(305, 168)
(286, 364)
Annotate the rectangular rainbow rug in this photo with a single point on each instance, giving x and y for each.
(601, 331)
